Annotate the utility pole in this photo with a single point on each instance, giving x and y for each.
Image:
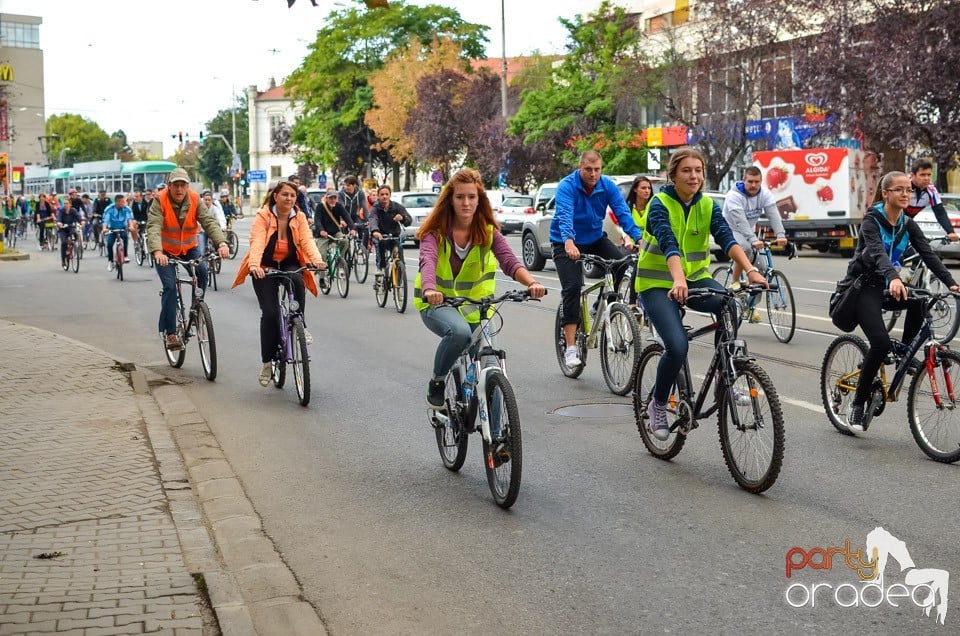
(503, 60)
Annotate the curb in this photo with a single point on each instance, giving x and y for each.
(255, 592)
(14, 255)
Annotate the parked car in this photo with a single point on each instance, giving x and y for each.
(514, 211)
(418, 204)
(927, 221)
(535, 247)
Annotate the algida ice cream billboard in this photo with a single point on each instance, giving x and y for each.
(821, 193)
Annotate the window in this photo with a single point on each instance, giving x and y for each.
(23, 36)
(276, 172)
(777, 99)
(276, 122)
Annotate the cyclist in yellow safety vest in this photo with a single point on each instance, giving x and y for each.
(675, 255)
(460, 246)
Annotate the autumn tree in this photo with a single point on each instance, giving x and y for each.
(894, 73)
(84, 138)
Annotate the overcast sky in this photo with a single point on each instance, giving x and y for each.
(156, 67)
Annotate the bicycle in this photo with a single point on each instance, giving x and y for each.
(749, 415)
(781, 309)
(293, 341)
(337, 268)
(10, 232)
(140, 246)
(932, 397)
(195, 321)
(74, 250)
(946, 313)
(616, 333)
(233, 241)
(395, 278)
(214, 264)
(358, 256)
(473, 389)
(118, 252)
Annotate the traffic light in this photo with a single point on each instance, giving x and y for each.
(201, 136)
(180, 135)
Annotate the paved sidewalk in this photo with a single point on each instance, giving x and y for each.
(101, 529)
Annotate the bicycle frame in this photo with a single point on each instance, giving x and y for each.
(608, 295)
(287, 314)
(196, 294)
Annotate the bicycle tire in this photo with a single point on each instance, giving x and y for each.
(78, 246)
(343, 277)
(722, 275)
(399, 272)
(65, 262)
(324, 275)
(453, 451)
(642, 394)
(140, 252)
(118, 258)
(782, 318)
(212, 277)
(619, 366)
(77, 255)
(892, 319)
(206, 341)
(754, 419)
(176, 358)
(945, 313)
(361, 262)
(941, 441)
(560, 344)
(301, 361)
(382, 290)
(504, 462)
(233, 243)
(843, 357)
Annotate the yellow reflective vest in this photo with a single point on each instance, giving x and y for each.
(693, 235)
(476, 279)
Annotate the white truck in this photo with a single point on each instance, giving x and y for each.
(821, 193)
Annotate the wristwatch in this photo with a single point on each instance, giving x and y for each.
(752, 270)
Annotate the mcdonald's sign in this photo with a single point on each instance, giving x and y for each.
(6, 73)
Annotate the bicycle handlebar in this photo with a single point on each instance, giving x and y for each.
(514, 295)
(289, 272)
(607, 263)
(752, 289)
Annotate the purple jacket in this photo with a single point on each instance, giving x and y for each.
(429, 252)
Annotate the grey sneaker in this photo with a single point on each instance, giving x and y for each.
(657, 420)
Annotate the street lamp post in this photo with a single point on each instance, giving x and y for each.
(63, 151)
(503, 59)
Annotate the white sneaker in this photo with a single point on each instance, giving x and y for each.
(571, 358)
(266, 374)
(308, 337)
(109, 266)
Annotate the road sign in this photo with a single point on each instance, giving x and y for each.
(436, 176)
(653, 160)
(437, 188)
(257, 176)
(322, 180)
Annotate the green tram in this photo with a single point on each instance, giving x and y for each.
(112, 176)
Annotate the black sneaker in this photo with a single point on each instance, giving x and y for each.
(855, 417)
(435, 390)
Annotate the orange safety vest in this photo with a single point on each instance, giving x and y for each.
(176, 239)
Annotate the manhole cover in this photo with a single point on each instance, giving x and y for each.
(595, 410)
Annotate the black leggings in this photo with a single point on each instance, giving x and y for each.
(570, 274)
(871, 320)
(267, 294)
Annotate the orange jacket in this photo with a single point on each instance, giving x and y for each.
(265, 225)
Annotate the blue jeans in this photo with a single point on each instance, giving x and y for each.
(111, 239)
(168, 299)
(455, 333)
(664, 312)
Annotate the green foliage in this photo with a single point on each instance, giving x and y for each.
(84, 138)
(332, 80)
(215, 158)
(623, 151)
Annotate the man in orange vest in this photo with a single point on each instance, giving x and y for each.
(173, 227)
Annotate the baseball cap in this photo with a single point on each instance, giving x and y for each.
(330, 192)
(72, 191)
(178, 174)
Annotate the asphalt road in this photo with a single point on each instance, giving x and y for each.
(603, 539)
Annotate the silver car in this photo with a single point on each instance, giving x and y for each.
(927, 221)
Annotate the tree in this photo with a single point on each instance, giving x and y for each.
(332, 80)
(894, 75)
(117, 146)
(712, 73)
(435, 124)
(215, 159)
(84, 138)
(187, 156)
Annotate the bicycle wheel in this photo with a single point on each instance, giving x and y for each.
(78, 246)
(65, 262)
(642, 394)
(753, 451)
(892, 316)
(839, 375)
(452, 440)
(781, 310)
(216, 264)
(343, 277)
(382, 289)
(233, 243)
(945, 313)
(399, 284)
(212, 278)
(620, 350)
(77, 255)
(560, 344)
(361, 262)
(301, 361)
(324, 275)
(118, 258)
(936, 428)
(503, 460)
(140, 251)
(722, 275)
(175, 358)
(206, 341)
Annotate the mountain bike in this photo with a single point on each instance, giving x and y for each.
(292, 349)
(395, 278)
(749, 415)
(337, 269)
(781, 309)
(932, 397)
(478, 385)
(195, 321)
(74, 250)
(233, 241)
(118, 252)
(358, 256)
(616, 332)
(945, 314)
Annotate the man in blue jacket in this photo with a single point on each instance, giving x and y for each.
(577, 227)
(117, 216)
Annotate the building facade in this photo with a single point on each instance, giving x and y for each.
(268, 111)
(22, 108)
